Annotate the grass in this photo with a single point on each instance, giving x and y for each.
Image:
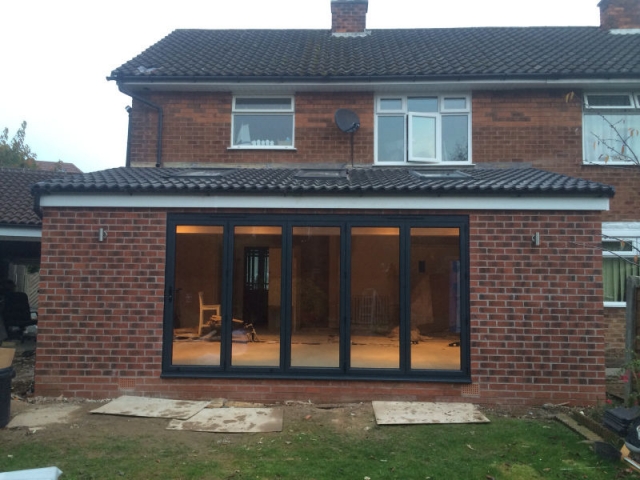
(505, 449)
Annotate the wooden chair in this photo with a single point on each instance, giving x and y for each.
(203, 308)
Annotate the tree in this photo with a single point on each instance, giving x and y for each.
(16, 153)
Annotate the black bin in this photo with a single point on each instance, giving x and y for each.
(6, 374)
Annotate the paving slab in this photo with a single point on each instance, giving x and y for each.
(133, 406)
(232, 420)
(408, 413)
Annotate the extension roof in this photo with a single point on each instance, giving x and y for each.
(361, 181)
(481, 53)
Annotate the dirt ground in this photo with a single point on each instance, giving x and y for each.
(81, 423)
(354, 417)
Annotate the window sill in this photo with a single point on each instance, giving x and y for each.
(609, 164)
(615, 304)
(264, 147)
(414, 164)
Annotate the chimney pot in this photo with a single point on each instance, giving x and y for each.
(349, 16)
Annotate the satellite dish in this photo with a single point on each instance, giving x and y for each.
(347, 120)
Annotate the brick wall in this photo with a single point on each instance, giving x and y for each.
(536, 336)
(615, 328)
(197, 129)
(349, 16)
(619, 14)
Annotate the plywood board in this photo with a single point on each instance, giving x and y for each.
(232, 420)
(405, 413)
(43, 415)
(6, 357)
(151, 407)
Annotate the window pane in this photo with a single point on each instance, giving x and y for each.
(617, 246)
(435, 298)
(263, 103)
(602, 141)
(262, 130)
(375, 337)
(198, 271)
(257, 266)
(422, 139)
(614, 277)
(315, 296)
(391, 104)
(455, 138)
(422, 104)
(451, 103)
(391, 139)
(609, 100)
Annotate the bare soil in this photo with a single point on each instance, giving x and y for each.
(352, 417)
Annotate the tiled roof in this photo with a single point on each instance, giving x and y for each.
(443, 53)
(16, 201)
(59, 166)
(471, 181)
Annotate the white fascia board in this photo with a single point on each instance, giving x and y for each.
(20, 233)
(404, 202)
(448, 85)
(621, 229)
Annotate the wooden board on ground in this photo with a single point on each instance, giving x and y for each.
(407, 413)
(151, 407)
(232, 420)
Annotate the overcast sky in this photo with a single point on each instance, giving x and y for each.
(56, 54)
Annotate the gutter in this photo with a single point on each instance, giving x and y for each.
(158, 109)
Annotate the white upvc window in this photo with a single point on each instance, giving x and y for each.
(423, 128)
(621, 252)
(611, 128)
(262, 122)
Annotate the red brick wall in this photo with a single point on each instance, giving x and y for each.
(615, 328)
(537, 332)
(536, 337)
(619, 14)
(197, 129)
(349, 16)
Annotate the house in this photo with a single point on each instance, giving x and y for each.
(352, 214)
(20, 227)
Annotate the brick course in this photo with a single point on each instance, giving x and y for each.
(536, 337)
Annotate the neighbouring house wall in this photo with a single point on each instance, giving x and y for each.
(615, 329)
(536, 334)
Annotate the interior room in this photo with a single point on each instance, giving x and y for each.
(310, 285)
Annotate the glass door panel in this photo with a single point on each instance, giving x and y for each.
(315, 297)
(257, 276)
(435, 298)
(198, 294)
(375, 311)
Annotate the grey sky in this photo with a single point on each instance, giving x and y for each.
(57, 54)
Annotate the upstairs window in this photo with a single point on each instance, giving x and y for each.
(262, 122)
(611, 128)
(430, 129)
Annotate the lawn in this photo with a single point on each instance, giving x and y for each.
(314, 444)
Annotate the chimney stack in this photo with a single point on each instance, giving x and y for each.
(619, 14)
(349, 16)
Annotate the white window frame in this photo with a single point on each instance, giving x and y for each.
(442, 112)
(629, 232)
(267, 111)
(588, 138)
